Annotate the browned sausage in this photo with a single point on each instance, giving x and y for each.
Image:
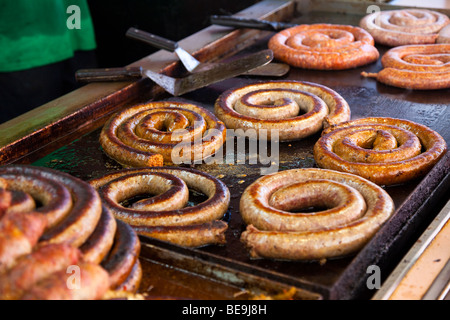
(324, 47)
(123, 256)
(418, 67)
(386, 166)
(279, 234)
(3, 184)
(63, 285)
(403, 27)
(196, 235)
(99, 244)
(167, 217)
(71, 205)
(55, 198)
(132, 282)
(5, 201)
(22, 202)
(19, 233)
(78, 219)
(444, 35)
(241, 108)
(34, 267)
(146, 135)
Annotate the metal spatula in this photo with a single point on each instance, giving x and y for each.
(192, 64)
(179, 86)
(189, 62)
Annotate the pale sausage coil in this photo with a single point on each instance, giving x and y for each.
(403, 27)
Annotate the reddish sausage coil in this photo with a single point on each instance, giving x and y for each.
(403, 27)
(166, 216)
(278, 106)
(356, 210)
(386, 151)
(150, 134)
(324, 47)
(418, 67)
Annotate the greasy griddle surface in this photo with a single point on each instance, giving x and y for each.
(367, 98)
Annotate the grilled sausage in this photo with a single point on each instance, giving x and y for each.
(132, 282)
(417, 67)
(241, 108)
(123, 256)
(19, 233)
(34, 267)
(147, 135)
(387, 165)
(99, 244)
(196, 235)
(86, 281)
(22, 202)
(279, 234)
(5, 201)
(403, 27)
(324, 47)
(444, 35)
(69, 214)
(71, 206)
(167, 216)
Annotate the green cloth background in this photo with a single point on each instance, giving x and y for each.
(34, 33)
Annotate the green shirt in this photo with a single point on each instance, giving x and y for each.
(40, 32)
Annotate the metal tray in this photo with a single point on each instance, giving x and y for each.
(417, 202)
(173, 272)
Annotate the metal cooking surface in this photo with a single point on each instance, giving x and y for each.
(84, 158)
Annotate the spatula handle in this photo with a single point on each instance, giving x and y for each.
(151, 39)
(238, 22)
(108, 74)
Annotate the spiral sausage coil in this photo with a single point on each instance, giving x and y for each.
(294, 109)
(417, 67)
(167, 215)
(385, 151)
(404, 27)
(324, 47)
(46, 214)
(151, 134)
(356, 208)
